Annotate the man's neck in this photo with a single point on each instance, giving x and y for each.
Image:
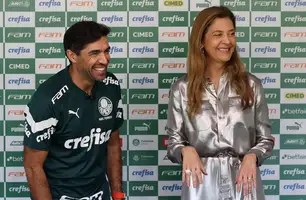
(80, 81)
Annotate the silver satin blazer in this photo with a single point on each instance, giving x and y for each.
(221, 134)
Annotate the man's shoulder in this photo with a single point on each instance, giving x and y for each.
(53, 85)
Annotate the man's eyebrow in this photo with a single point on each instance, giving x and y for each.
(98, 50)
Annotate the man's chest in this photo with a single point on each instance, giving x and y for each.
(85, 123)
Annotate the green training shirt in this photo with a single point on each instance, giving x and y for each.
(74, 128)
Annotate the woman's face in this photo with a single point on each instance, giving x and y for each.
(220, 40)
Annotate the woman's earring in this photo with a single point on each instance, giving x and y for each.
(203, 50)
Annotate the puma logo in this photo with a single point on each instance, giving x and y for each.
(74, 113)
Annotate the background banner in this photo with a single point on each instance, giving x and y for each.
(149, 43)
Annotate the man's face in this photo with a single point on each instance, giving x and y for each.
(93, 59)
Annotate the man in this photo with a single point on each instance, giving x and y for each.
(71, 142)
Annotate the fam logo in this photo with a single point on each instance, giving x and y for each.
(265, 34)
(48, 35)
(19, 35)
(171, 34)
(143, 96)
(84, 4)
(265, 66)
(143, 111)
(261, 3)
(17, 174)
(173, 66)
(105, 107)
(143, 65)
(18, 97)
(295, 34)
(50, 66)
(269, 187)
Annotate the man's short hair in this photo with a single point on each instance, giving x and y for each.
(83, 33)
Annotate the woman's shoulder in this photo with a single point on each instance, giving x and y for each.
(254, 80)
(180, 83)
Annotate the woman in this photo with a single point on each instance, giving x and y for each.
(218, 123)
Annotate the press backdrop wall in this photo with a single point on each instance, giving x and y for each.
(149, 49)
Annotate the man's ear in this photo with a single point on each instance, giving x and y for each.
(71, 56)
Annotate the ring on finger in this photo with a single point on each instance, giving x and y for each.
(188, 171)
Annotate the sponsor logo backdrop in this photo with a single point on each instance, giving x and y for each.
(149, 42)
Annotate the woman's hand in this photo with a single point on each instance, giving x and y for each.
(247, 174)
(192, 166)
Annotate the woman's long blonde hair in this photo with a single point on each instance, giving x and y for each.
(197, 64)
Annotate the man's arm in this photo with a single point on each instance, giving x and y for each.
(114, 162)
(37, 180)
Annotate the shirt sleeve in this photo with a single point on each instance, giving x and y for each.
(40, 123)
(264, 140)
(174, 127)
(119, 111)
